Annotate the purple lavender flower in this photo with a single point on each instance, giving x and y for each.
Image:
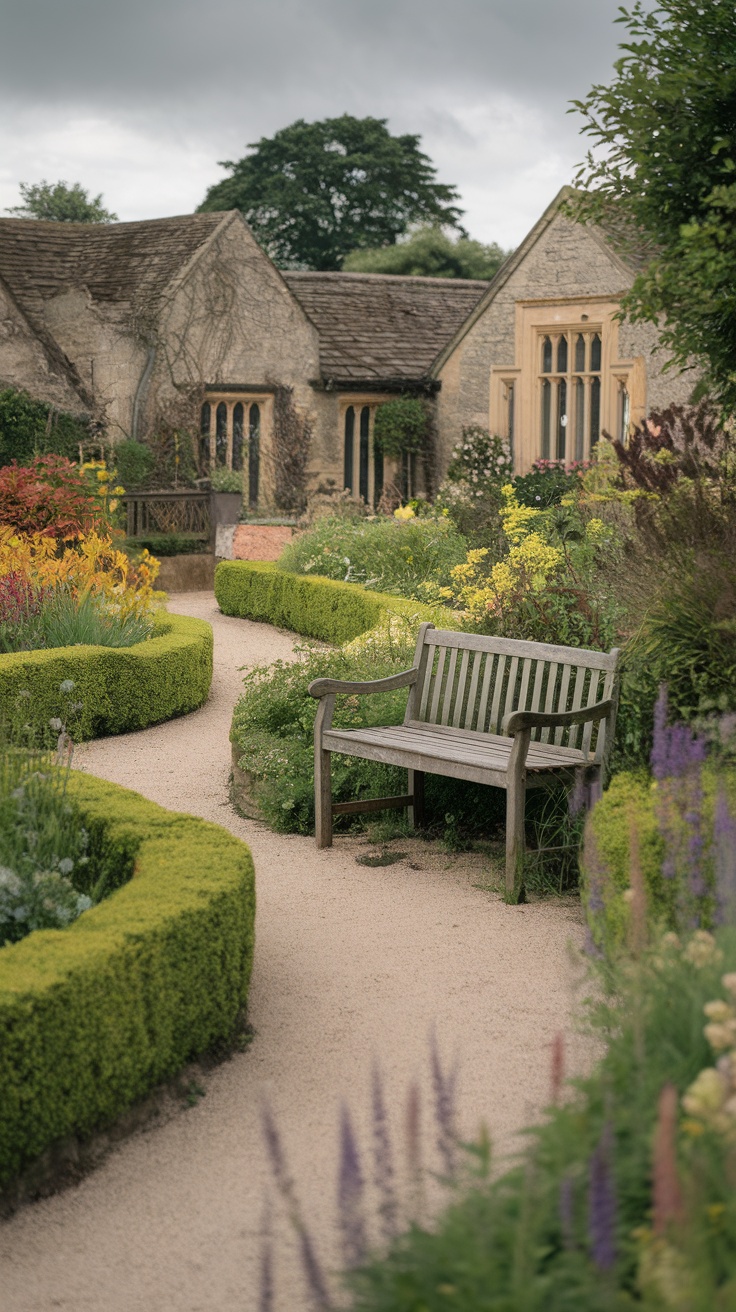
(602, 1203)
(444, 1107)
(590, 947)
(383, 1166)
(316, 1282)
(660, 743)
(350, 1195)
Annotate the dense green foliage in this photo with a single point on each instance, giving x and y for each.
(93, 1016)
(401, 425)
(314, 192)
(315, 607)
(61, 203)
(166, 544)
(429, 252)
(134, 462)
(547, 482)
(29, 428)
(410, 558)
(120, 689)
(59, 618)
(666, 175)
(570, 1229)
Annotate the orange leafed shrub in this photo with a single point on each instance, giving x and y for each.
(92, 565)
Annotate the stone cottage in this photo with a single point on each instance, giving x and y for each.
(186, 322)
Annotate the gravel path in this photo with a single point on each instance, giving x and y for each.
(352, 964)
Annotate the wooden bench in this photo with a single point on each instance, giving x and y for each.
(491, 710)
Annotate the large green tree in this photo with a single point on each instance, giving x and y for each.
(666, 175)
(314, 192)
(429, 252)
(61, 203)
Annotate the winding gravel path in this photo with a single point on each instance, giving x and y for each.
(352, 963)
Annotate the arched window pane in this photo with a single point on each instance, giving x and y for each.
(221, 434)
(365, 421)
(205, 420)
(510, 419)
(562, 355)
(254, 455)
(547, 355)
(546, 414)
(595, 354)
(347, 478)
(561, 419)
(238, 415)
(579, 354)
(624, 406)
(595, 411)
(579, 419)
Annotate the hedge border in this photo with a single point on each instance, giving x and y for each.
(313, 606)
(94, 1016)
(120, 688)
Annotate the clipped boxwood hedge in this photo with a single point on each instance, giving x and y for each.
(120, 688)
(94, 1016)
(319, 608)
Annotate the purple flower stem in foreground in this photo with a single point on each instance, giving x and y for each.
(384, 1175)
(350, 1191)
(602, 1204)
(444, 1107)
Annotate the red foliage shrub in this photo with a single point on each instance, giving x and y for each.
(48, 496)
(19, 601)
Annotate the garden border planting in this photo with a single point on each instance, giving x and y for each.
(120, 688)
(94, 1016)
(314, 606)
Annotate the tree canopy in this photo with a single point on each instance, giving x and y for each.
(61, 203)
(667, 175)
(429, 252)
(314, 192)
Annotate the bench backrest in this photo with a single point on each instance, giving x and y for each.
(468, 681)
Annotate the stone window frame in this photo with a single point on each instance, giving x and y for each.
(623, 382)
(214, 398)
(360, 401)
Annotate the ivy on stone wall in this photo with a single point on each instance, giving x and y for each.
(29, 428)
(292, 442)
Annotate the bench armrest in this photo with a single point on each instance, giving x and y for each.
(323, 687)
(518, 720)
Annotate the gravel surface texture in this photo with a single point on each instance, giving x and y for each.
(353, 965)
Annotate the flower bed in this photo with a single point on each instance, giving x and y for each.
(119, 689)
(92, 1017)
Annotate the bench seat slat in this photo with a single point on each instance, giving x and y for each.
(483, 752)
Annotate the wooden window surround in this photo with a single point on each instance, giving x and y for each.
(567, 384)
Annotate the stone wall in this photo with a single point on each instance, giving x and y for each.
(25, 364)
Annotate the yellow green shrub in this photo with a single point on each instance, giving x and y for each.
(119, 688)
(94, 1016)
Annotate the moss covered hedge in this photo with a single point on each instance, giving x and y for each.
(318, 608)
(119, 688)
(95, 1015)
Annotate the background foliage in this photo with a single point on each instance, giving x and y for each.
(430, 252)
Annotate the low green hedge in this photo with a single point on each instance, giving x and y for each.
(630, 804)
(119, 688)
(318, 608)
(94, 1016)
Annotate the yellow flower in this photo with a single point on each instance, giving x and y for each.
(102, 475)
(118, 491)
(706, 1094)
(595, 531)
(404, 512)
(114, 503)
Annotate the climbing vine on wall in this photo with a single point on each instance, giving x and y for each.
(292, 441)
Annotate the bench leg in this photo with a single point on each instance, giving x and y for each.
(416, 788)
(323, 798)
(515, 799)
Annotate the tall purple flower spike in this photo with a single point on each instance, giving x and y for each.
(316, 1282)
(602, 1203)
(444, 1085)
(383, 1162)
(350, 1192)
(266, 1293)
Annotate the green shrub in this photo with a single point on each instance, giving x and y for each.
(167, 544)
(29, 428)
(134, 463)
(410, 558)
(94, 1016)
(401, 425)
(547, 482)
(315, 607)
(120, 689)
(630, 803)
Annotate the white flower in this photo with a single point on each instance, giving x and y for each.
(55, 723)
(67, 685)
(66, 865)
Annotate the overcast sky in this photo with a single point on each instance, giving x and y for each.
(139, 99)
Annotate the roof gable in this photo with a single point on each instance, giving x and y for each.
(382, 327)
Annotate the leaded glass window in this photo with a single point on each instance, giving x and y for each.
(348, 450)
(221, 434)
(238, 416)
(254, 455)
(570, 393)
(365, 421)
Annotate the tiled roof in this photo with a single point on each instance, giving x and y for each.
(122, 262)
(380, 327)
